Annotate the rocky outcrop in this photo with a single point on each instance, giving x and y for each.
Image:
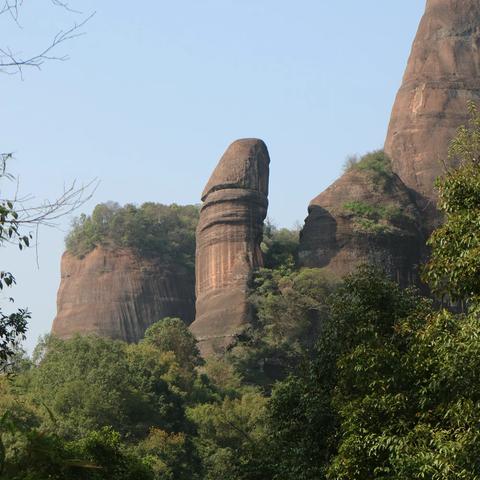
(442, 75)
(229, 234)
(365, 217)
(117, 293)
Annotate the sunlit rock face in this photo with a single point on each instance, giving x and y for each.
(442, 75)
(117, 293)
(229, 234)
(361, 219)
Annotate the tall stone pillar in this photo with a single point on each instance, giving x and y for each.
(229, 234)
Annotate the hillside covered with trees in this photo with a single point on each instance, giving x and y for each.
(349, 379)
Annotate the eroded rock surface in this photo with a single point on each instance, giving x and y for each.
(364, 218)
(229, 234)
(442, 75)
(117, 293)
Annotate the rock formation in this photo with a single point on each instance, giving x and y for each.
(364, 217)
(117, 293)
(376, 212)
(442, 75)
(229, 234)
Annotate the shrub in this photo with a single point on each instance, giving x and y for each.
(370, 218)
(376, 162)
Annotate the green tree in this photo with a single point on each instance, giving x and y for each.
(454, 266)
(279, 246)
(100, 455)
(391, 394)
(89, 389)
(290, 308)
(170, 456)
(87, 383)
(305, 416)
(172, 335)
(406, 392)
(230, 437)
(13, 326)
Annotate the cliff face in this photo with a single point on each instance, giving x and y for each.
(118, 294)
(229, 234)
(364, 218)
(442, 75)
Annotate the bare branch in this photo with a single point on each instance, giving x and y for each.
(11, 7)
(49, 212)
(25, 212)
(19, 212)
(12, 63)
(65, 5)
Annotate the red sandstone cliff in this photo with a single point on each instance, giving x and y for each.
(116, 293)
(442, 75)
(364, 218)
(229, 234)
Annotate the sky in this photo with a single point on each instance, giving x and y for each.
(152, 95)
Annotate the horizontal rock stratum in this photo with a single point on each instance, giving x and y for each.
(117, 293)
(229, 234)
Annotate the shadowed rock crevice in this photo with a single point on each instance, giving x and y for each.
(229, 235)
(319, 245)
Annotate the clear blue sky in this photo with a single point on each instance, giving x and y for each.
(155, 91)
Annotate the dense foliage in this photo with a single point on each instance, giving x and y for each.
(454, 268)
(167, 231)
(290, 308)
(392, 394)
(336, 380)
(389, 391)
(393, 391)
(279, 246)
(374, 218)
(101, 406)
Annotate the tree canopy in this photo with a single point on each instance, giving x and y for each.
(454, 266)
(167, 231)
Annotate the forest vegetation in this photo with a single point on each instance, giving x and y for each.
(339, 379)
(167, 231)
